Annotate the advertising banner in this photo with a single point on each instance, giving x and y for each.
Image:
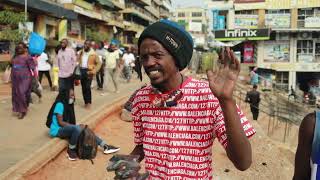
(215, 14)
(277, 20)
(242, 34)
(246, 21)
(312, 22)
(248, 52)
(195, 26)
(276, 51)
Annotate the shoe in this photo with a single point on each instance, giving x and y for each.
(87, 106)
(108, 149)
(21, 115)
(72, 154)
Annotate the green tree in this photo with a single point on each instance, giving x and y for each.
(9, 21)
(94, 34)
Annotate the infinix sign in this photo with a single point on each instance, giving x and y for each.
(242, 34)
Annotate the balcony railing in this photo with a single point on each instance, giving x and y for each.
(143, 13)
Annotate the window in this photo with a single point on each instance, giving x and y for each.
(282, 80)
(305, 47)
(196, 14)
(305, 13)
(51, 32)
(305, 50)
(181, 14)
(278, 11)
(252, 12)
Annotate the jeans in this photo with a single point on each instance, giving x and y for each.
(72, 133)
(47, 74)
(86, 86)
(66, 83)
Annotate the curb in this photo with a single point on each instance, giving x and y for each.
(54, 147)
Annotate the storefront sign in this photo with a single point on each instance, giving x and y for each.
(312, 22)
(245, 21)
(276, 51)
(277, 20)
(242, 34)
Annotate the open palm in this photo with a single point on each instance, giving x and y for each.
(223, 81)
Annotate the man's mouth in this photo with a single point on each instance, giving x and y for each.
(154, 74)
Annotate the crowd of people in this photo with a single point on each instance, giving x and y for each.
(175, 118)
(67, 68)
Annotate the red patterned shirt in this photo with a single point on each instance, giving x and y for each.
(177, 141)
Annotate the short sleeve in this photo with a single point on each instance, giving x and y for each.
(220, 129)
(58, 109)
(137, 124)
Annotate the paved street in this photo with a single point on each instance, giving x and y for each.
(19, 138)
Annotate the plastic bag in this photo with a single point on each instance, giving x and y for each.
(7, 75)
(37, 44)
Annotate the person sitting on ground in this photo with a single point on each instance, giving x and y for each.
(63, 124)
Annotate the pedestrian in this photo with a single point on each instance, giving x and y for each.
(128, 59)
(112, 65)
(101, 52)
(44, 67)
(307, 159)
(253, 97)
(67, 62)
(254, 77)
(21, 77)
(63, 124)
(177, 118)
(89, 64)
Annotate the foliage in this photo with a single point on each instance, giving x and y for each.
(9, 21)
(9, 17)
(93, 34)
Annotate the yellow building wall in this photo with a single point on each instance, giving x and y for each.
(261, 13)
(62, 29)
(289, 4)
(41, 26)
(294, 18)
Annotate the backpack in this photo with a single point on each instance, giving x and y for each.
(87, 145)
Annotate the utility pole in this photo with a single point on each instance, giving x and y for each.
(25, 10)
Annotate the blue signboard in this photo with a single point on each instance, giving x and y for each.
(215, 14)
(221, 22)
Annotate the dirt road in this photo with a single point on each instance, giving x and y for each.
(271, 161)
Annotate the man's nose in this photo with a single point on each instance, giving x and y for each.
(149, 61)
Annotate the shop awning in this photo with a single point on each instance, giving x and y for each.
(48, 8)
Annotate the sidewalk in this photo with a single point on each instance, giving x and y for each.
(19, 138)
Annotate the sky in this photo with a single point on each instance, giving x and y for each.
(187, 3)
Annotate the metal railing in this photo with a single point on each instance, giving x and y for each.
(277, 107)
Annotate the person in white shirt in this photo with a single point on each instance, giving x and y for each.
(44, 68)
(129, 59)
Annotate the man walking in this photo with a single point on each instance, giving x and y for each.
(101, 52)
(253, 97)
(89, 64)
(112, 65)
(128, 59)
(67, 61)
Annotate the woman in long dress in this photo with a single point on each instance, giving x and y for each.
(22, 65)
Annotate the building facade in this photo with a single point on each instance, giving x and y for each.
(195, 21)
(78, 20)
(281, 38)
